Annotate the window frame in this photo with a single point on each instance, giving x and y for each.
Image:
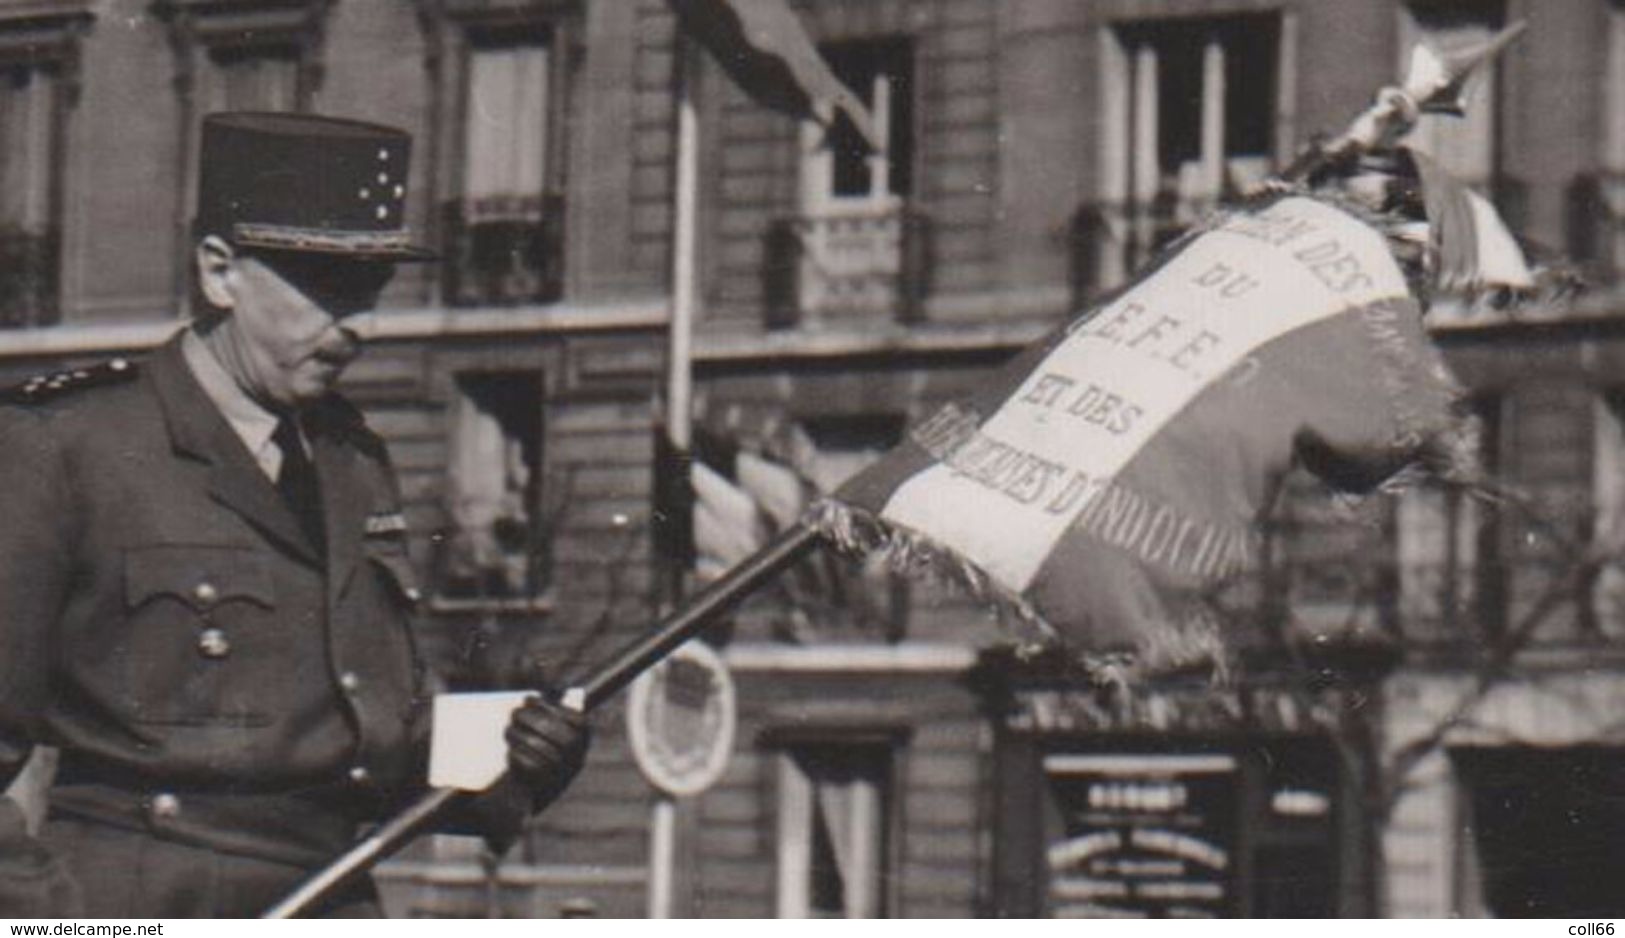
(537, 594)
(48, 37)
(792, 893)
(1474, 595)
(1129, 156)
(452, 31)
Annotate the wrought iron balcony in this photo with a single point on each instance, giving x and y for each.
(1112, 240)
(1503, 579)
(861, 263)
(506, 250)
(29, 280)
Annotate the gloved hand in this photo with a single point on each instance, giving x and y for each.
(547, 746)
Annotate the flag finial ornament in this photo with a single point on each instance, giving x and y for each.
(1435, 84)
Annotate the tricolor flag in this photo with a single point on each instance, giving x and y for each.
(747, 488)
(1475, 250)
(1113, 478)
(762, 45)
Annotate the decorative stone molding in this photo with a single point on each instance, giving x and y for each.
(40, 32)
(196, 26)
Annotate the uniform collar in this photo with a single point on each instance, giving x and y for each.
(200, 431)
(246, 417)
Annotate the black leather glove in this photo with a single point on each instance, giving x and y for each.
(547, 746)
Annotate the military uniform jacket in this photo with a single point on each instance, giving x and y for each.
(165, 623)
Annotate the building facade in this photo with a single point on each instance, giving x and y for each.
(1418, 665)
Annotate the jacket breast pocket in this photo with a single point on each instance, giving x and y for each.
(192, 612)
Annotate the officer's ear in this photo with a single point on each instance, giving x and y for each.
(216, 262)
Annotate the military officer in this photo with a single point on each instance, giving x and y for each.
(205, 591)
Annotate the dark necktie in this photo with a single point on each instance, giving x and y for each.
(297, 482)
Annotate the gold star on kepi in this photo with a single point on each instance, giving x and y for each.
(301, 182)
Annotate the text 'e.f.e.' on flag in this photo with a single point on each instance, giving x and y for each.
(1116, 474)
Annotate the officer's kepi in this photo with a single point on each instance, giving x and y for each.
(306, 184)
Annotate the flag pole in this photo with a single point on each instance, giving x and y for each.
(663, 818)
(1435, 83)
(676, 628)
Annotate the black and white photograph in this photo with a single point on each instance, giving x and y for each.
(812, 459)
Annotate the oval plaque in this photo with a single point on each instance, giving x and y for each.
(680, 720)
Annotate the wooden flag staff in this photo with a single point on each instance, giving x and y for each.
(1434, 85)
(699, 611)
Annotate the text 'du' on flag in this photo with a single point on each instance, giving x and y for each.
(1113, 478)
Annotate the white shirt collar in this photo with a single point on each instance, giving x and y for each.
(252, 423)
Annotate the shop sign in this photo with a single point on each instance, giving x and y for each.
(1142, 835)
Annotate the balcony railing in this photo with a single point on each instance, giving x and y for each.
(29, 264)
(1507, 578)
(855, 264)
(505, 250)
(1112, 240)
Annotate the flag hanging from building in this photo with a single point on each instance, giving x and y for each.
(745, 492)
(1114, 477)
(1475, 249)
(763, 46)
(753, 475)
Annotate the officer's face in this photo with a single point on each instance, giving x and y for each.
(286, 327)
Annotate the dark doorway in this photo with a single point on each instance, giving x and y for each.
(1549, 828)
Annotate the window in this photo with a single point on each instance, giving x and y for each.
(39, 58)
(253, 78)
(1192, 113)
(1325, 568)
(1544, 829)
(236, 55)
(853, 235)
(834, 829)
(842, 167)
(504, 219)
(1467, 146)
(495, 546)
(30, 192)
(1451, 576)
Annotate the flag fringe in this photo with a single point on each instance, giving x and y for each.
(1165, 648)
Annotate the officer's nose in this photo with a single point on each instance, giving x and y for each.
(340, 346)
